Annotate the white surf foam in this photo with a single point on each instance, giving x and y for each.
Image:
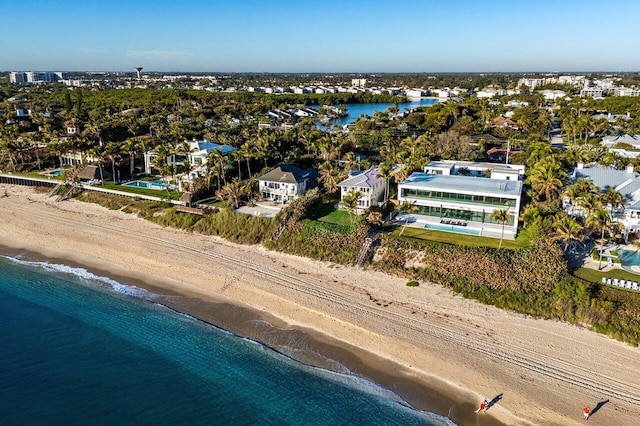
(87, 276)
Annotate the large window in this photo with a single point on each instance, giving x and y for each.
(457, 197)
(459, 214)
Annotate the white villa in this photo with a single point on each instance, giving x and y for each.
(197, 156)
(626, 182)
(286, 182)
(371, 187)
(460, 196)
(632, 140)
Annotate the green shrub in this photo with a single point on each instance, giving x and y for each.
(236, 227)
(413, 284)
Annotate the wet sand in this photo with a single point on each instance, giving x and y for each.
(439, 352)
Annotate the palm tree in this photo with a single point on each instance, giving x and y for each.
(599, 220)
(350, 201)
(501, 216)
(589, 202)
(569, 231)
(217, 160)
(407, 208)
(98, 152)
(231, 193)
(612, 198)
(113, 152)
(246, 152)
(546, 178)
(237, 156)
(384, 172)
(328, 178)
(6, 149)
(131, 147)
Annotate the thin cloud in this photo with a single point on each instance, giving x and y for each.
(163, 54)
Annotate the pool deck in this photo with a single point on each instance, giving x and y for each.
(482, 229)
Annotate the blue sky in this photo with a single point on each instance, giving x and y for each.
(320, 36)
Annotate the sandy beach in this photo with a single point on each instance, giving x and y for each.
(440, 352)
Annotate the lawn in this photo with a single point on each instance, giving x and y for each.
(329, 214)
(595, 276)
(460, 239)
(37, 175)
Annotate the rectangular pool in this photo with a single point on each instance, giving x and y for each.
(154, 184)
(451, 228)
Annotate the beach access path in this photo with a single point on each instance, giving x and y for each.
(545, 370)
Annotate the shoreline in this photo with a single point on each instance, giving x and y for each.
(411, 338)
(319, 351)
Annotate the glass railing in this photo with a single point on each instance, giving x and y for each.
(485, 202)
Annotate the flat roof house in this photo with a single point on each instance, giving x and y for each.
(460, 196)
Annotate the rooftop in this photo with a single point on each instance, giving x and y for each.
(208, 147)
(464, 184)
(366, 179)
(604, 177)
(288, 173)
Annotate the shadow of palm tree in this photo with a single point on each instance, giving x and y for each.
(599, 406)
(494, 401)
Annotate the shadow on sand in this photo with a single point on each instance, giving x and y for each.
(494, 401)
(598, 407)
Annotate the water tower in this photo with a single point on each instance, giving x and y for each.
(138, 69)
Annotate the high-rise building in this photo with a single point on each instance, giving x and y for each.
(35, 76)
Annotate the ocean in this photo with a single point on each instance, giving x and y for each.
(76, 348)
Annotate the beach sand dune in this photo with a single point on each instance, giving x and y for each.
(439, 351)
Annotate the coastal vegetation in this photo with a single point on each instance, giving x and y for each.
(529, 274)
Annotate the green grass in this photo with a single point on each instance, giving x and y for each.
(35, 175)
(330, 215)
(175, 195)
(595, 276)
(459, 239)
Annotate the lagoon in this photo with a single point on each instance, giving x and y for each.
(356, 110)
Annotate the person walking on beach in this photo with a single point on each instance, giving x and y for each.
(483, 406)
(586, 413)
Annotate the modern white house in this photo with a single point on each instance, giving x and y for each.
(286, 183)
(626, 182)
(371, 187)
(460, 196)
(197, 156)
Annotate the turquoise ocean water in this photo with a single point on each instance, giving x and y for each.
(78, 349)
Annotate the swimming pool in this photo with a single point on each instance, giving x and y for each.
(629, 257)
(55, 173)
(154, 184)
(451, 228)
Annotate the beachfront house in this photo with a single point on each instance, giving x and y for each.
(626, 182)
(368, 184)
(460, 196)
(286, 183)
(197, 156)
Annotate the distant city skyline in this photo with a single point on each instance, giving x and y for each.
(321, 37)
